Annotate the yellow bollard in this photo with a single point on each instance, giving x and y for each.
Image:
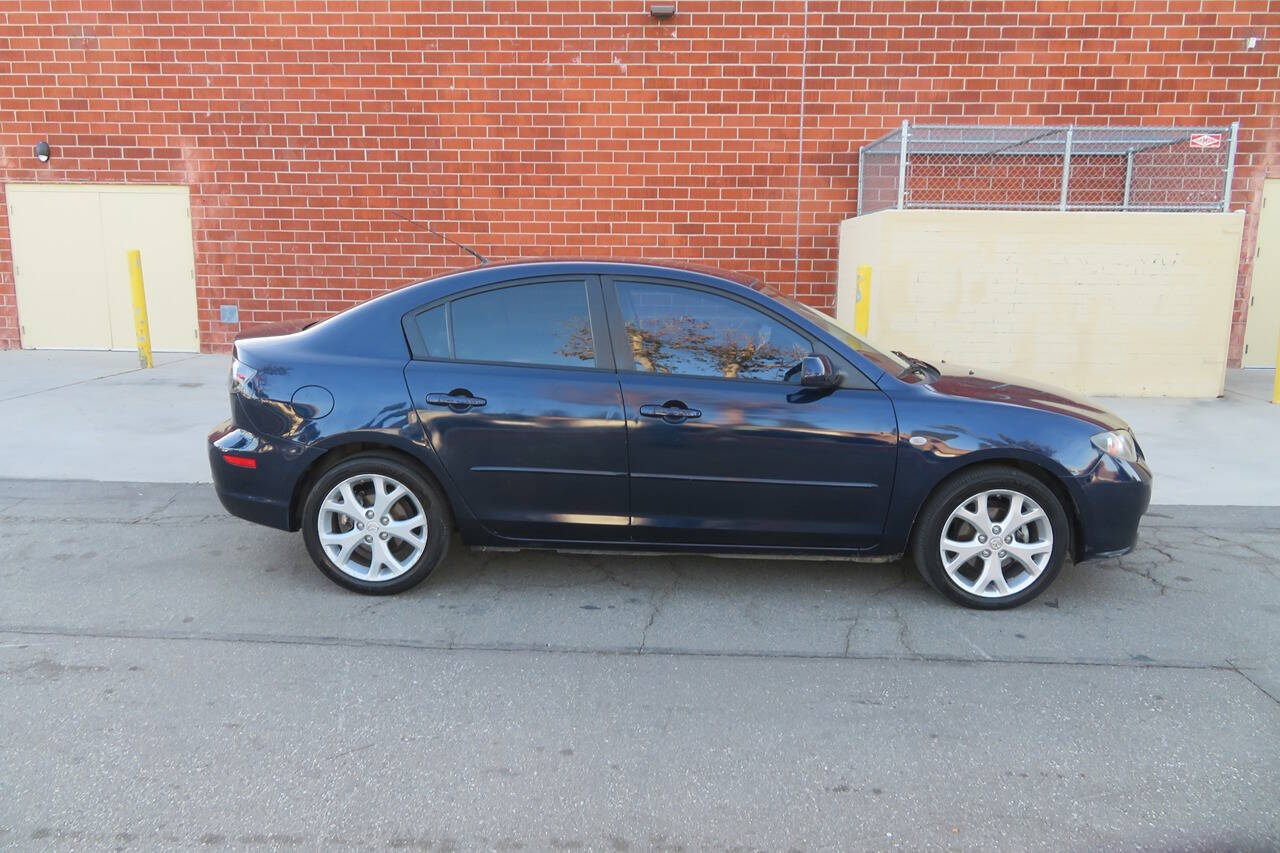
(140, 326)
(862, 309)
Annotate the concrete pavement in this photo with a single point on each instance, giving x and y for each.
(70, 415)
(174, 677)
(93, 415)
(1219, 451)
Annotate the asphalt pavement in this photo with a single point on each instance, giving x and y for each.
(175, 678)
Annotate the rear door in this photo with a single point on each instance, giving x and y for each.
(748, 457)
(517, 393)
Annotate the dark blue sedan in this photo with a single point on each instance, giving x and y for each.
(628, 406)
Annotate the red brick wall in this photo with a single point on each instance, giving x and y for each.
(728, 135)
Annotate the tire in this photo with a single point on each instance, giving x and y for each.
(1024, 561)
(407, 534)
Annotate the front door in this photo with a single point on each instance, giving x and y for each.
(723, 449)
(524, 409)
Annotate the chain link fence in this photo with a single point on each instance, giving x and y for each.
(1048, 168)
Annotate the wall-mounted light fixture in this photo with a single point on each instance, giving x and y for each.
(662, 11)
(42, 151)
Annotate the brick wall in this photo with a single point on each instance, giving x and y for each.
(727, 135)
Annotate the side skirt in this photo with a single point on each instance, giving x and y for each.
(723, 555)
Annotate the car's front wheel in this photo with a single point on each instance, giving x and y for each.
(992, 538)
(374, 524)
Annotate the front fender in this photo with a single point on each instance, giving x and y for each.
(938, 438)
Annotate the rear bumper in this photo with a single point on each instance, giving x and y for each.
(264, 492)
(1112, 499)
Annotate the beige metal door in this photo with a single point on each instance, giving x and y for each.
(57, 264)
(159, 225)
(1262, 324)
(70, 244)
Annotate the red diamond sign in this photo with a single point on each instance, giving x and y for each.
(1206, 140)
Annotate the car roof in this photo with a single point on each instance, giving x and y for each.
(369, 321)
(364, 321)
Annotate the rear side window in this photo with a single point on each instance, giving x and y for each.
(680, 330)
(546, 323)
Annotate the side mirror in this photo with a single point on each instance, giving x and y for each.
(816, 372)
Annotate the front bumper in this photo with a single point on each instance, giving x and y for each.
(1112, 498)
(263, 493)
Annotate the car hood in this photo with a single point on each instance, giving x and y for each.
(959, 381)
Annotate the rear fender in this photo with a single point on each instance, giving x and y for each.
(334, 449)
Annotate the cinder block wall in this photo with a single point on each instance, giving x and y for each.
(1100, 303)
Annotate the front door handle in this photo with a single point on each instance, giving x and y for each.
(672, 411)
(459, 400)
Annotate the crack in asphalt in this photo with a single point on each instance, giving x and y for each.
(586, 651)
(1146, 573)
(903, 580)
(155, 514)
(657, 600)
(904, 629)
(1146, 565)
(848, 635)
(1264, 691)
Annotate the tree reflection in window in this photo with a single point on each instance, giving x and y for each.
(578, 342)
(683, 331)
(546, 323)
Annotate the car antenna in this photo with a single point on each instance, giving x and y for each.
(470, 251)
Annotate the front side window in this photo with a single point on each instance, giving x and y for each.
(680, 330)
(547, 323)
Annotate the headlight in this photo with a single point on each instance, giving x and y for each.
(1117, 443)
(241, 376)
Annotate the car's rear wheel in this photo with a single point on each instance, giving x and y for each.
(992, 538)
(374, 524)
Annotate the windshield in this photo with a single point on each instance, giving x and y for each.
(885, 360)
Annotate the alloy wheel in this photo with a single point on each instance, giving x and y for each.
(996, 543)
(372, 527)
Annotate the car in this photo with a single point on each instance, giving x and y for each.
(614, 405)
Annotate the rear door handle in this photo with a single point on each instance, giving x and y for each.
(672, 412)
(459, 402)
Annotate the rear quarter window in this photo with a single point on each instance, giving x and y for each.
(434, 330)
